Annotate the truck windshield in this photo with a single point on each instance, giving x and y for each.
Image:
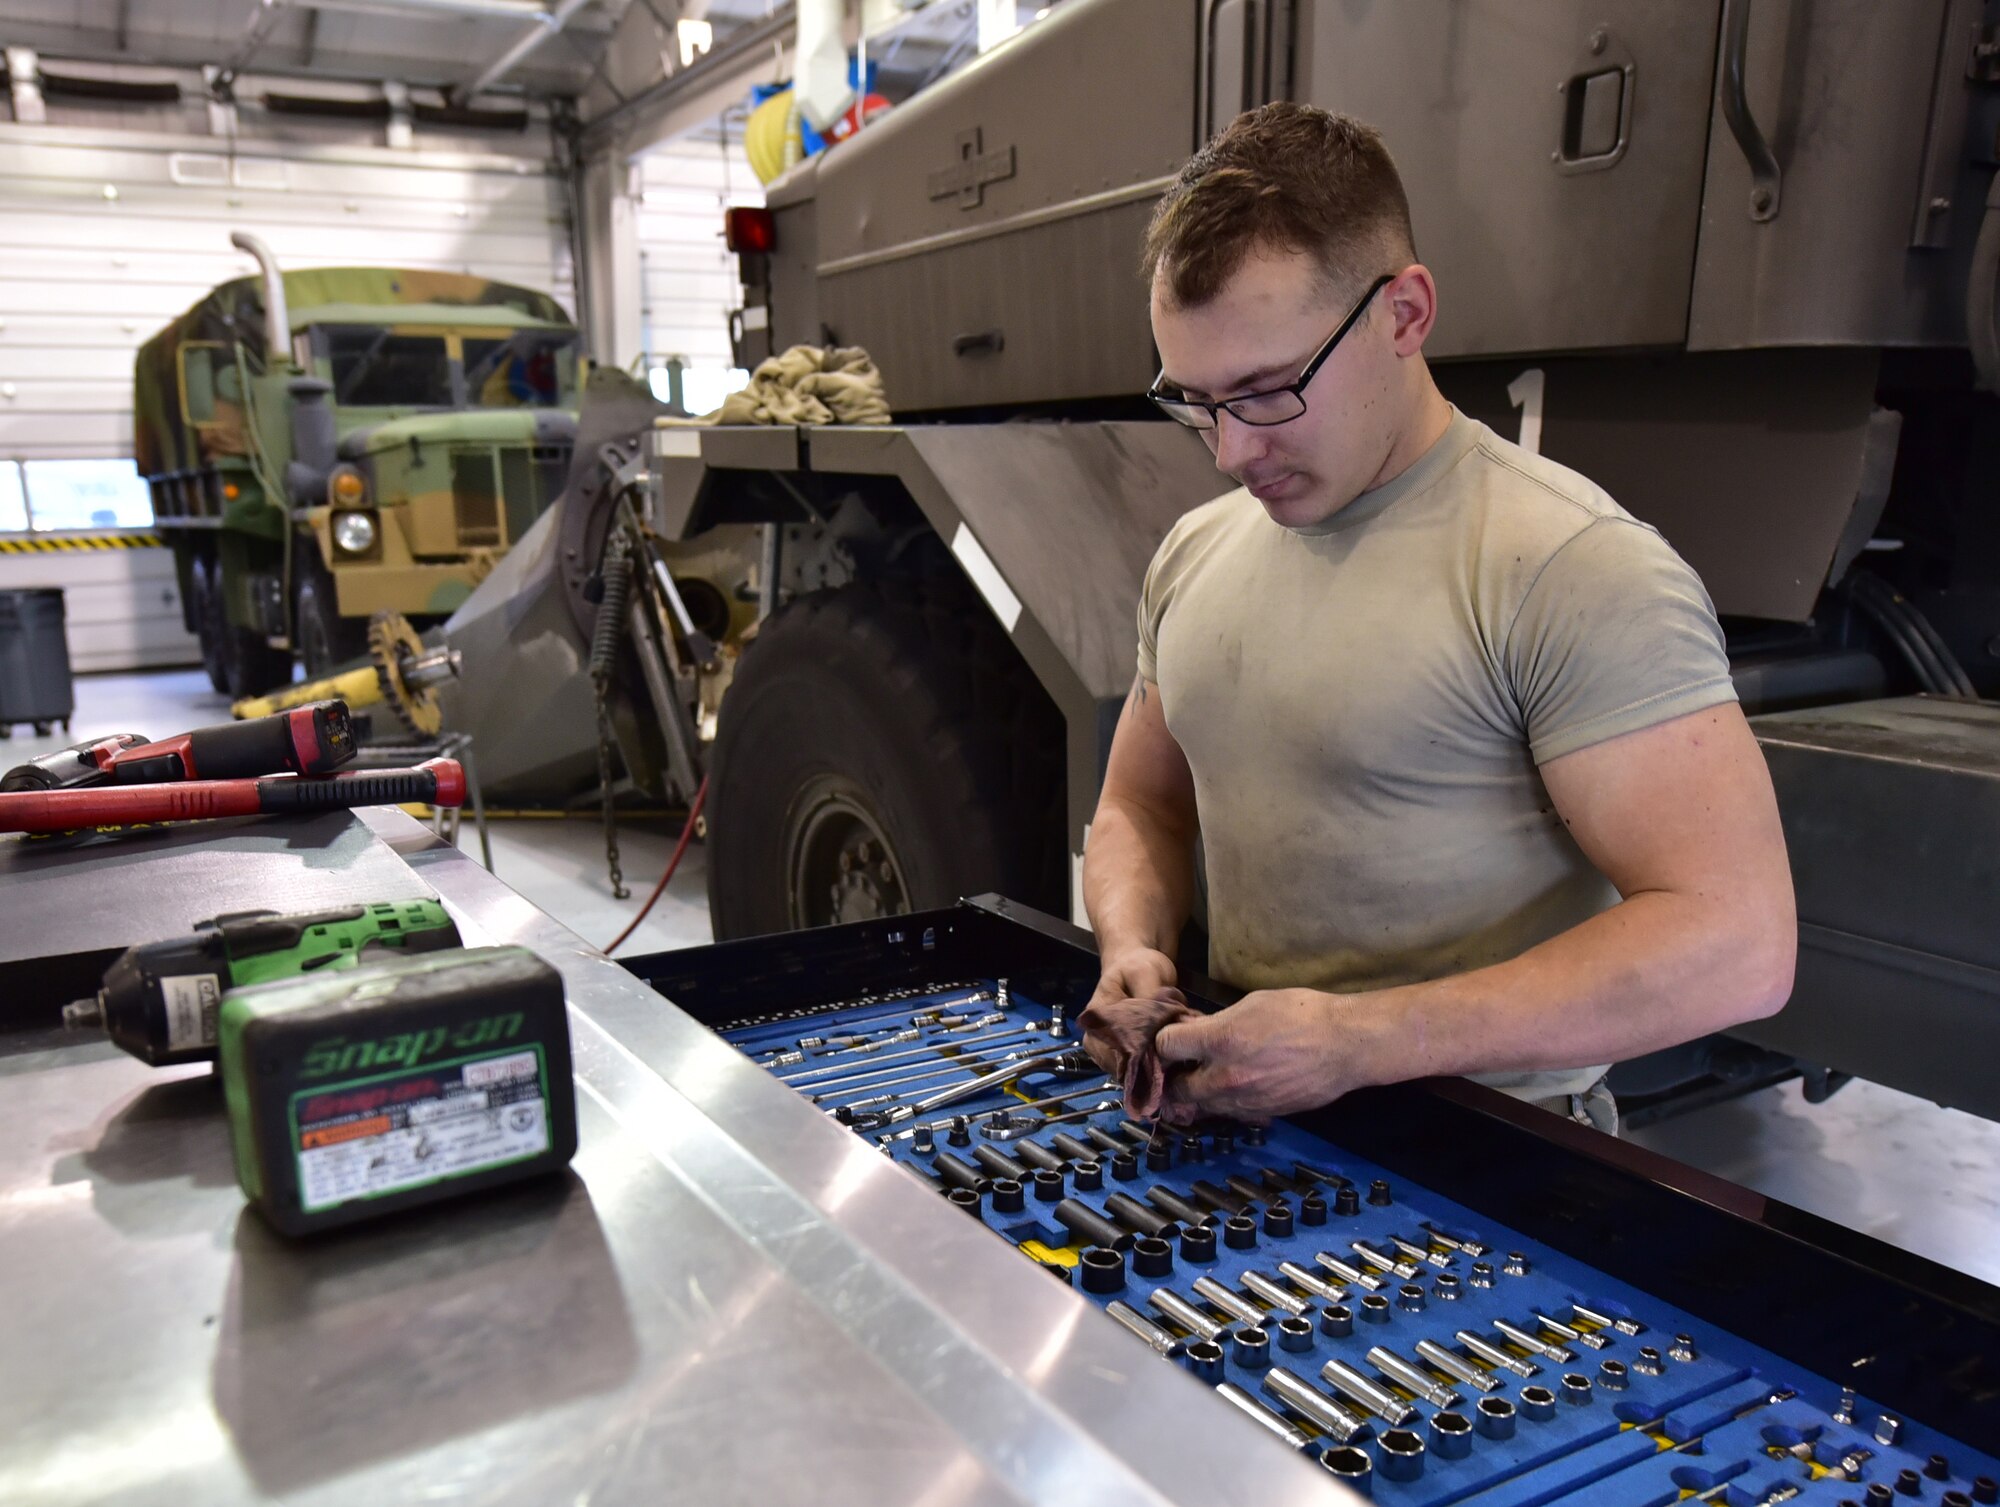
(527, 369)
(379, 368)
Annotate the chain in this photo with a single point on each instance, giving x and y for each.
(618, 890)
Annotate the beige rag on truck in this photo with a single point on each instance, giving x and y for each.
(808, 385)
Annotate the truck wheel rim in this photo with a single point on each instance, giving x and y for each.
(841, 868)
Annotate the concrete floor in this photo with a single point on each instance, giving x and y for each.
(1896, 1167)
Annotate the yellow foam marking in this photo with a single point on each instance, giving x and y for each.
(1054, 1255)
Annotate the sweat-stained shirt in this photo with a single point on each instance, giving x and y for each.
(1364, 704)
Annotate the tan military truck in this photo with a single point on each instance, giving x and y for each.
(326, 444)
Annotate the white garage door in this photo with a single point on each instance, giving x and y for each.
(689, 281)
(106, 235)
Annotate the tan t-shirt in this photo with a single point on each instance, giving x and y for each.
(1364, 705)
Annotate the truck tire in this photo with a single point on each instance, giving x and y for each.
(209, 624)
(882, 749)
(249, 665)
(326, 639)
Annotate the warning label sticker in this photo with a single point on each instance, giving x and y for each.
(191, 1000)
(389, 1134)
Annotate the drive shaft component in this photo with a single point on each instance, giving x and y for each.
(1493, 1355)
(1371, 1394)
(1294, 1436)
(1161, 1342)
(1456, 1366)
(1321, 1411)
(1217, 1296)
(1176, 1309)
(1408, 1377)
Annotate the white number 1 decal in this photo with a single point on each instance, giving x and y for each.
(1525, 392)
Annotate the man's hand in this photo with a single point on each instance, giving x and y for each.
(1135, 973)
(1271, 1053)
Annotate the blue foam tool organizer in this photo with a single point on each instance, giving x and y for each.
(1731, 1422)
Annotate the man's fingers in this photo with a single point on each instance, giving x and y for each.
(1187, 1040)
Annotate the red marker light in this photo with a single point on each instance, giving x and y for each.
(749, 230)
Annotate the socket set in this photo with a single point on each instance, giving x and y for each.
(1420, 1351)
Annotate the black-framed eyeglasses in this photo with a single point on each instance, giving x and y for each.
(1276, 405)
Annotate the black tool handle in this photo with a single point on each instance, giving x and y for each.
(387, 787)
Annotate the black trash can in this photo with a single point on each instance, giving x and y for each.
(35, 683)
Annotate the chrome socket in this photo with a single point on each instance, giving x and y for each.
(1888, 1429)
(1402, 1454)
(1515, 1334)
(1411, 1379)
(1567, 1334)
(1450, 1436)
(1259, 1285)
(1456, 1366)
(1161, 1342)
(1291, 1433)
(1410, 1297)
(1482, 1274)
(1649, 1362)
(1576, 1389)
(1611, 1376)
(1381, 1261)
(1682, 1349)
(1351, 1467)
(1374, 1309)
(1605, 1321)
(1353, 1276)
(1321, 1411)
(1250, 1348)
(1228, 1301)
(1516, 1266)
(1306, 1282)
(1204, 1360)
(1371, 1394)
(1493, 1355)
(1176, 1309)
(1494, 1417)
(1538, 1404)
(1415, 1252)
(1336, 1319)
(1845, 1412)
(1451, 1243)
(1447, 1288)
(1295, 1335)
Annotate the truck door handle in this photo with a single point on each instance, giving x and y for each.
(1766, 177)
(985, 343)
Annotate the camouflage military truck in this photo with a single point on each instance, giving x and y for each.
(326, 444)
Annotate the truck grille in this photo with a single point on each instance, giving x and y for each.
(475, 499)
(530, 480)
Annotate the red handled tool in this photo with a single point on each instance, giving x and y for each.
(307, 740)
(436, 782)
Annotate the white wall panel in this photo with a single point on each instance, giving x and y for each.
(105, 236)
(122, 607)
(689, 281)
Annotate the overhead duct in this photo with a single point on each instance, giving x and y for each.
(819, 64)
(553, 22)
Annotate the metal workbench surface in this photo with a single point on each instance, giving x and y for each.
(727, 1299)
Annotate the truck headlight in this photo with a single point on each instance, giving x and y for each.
(354, 533)
(346, 487)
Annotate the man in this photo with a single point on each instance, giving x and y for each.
(1456, 732)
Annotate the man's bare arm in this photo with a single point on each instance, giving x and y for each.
(1682, 819)
(1138, 867)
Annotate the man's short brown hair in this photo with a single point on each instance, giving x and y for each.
(1281, 177)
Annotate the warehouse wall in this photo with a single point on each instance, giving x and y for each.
(688, 280)
(114, 219)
